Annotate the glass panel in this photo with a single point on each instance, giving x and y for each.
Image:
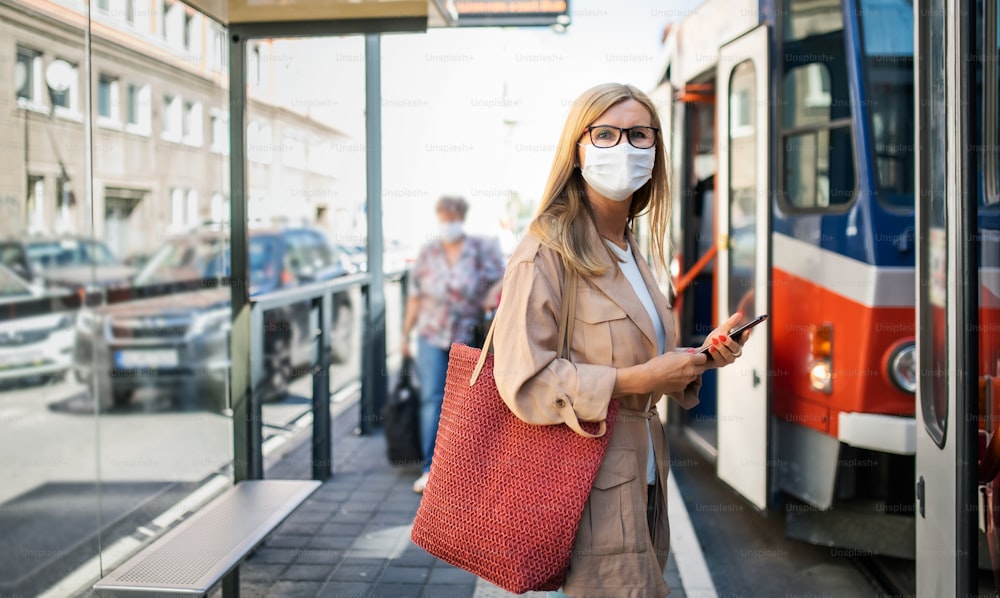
(743, 189)
(817, 150)
(305, 146)
(48, 475)
(887, 26)
(934, 378)
(153, 348)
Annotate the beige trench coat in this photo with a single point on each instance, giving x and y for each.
(613, 555)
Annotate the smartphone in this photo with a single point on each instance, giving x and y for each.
(735, 332)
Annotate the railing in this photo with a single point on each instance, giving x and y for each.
(320, 296)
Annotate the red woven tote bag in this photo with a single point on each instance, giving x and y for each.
(504, 498)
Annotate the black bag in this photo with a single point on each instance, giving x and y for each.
(481, 328)
(401, 419)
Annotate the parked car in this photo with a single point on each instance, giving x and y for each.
(32, 347)
(181, 340)
(74, 262)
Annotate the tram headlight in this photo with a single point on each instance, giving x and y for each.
(821, 357)
(902, 366)
(821, 376)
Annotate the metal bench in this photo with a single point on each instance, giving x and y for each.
(192, 558)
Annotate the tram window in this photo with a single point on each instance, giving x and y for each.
(933, 330)
(744, 192)
(988, 82)
(887, 27)
(817, 147)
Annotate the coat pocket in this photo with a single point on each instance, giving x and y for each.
(595, 319)
(614, 519)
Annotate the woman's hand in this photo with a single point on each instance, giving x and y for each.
(722, 349)
(669, 373)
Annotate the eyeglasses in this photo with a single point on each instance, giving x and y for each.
(607, 136)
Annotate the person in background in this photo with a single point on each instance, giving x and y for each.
(455, 278)
(610, 167)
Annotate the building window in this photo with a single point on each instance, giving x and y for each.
(191, 123)
(218, 48)
(321, 156)
(138, 109)
(191, 217)
(220, 132)
(164, 19)
(220, 208)
(35, 207)
(293, 150)
(253, 66)
(176, 209)
(130, 12)
(104, 6)
(107, 98)
(259, 148)
(65, 97)
(188, 30)
(172, 116)
(28, 77)
(173, 18)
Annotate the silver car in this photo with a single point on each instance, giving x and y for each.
(37, 345)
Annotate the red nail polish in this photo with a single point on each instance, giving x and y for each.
(715, 341)
(723, 337)
(690, 350)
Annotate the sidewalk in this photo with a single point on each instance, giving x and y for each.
(352, 537)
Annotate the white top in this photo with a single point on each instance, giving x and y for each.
(626, 261)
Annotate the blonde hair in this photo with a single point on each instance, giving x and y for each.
(564, 215)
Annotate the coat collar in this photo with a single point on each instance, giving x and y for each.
(617, 288)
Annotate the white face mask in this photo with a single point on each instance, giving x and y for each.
(450, 231)
(617, 172)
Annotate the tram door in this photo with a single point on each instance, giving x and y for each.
(742, 273)
(945, 450)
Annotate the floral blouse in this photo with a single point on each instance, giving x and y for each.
(451, 297)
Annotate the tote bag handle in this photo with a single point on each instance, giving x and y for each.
(566, 317)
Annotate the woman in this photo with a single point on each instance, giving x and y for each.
(454, 279)
(609, 167)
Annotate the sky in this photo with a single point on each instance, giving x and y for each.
(473, 111)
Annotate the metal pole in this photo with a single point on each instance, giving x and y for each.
(374, 384)
(247, 464)
(322, 452)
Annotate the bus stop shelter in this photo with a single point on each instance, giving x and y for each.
(248, 19)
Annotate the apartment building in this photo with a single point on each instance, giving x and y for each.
(160, 140)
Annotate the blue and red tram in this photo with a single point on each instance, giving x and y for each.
(801, 190)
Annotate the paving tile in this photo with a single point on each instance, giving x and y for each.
(268, 554)
(259, 573)
(309, 515)
(288, 541)
(298, 529)
(318, 556)
(345, 516)
(296, 589)
(396, 590)
(414, 558)
(339, 589)
(446, 574)
(410, 575)
(249, 589)
(363, 573)
(324, 542)
(342, 529)
(448, 591)
(306, 572)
